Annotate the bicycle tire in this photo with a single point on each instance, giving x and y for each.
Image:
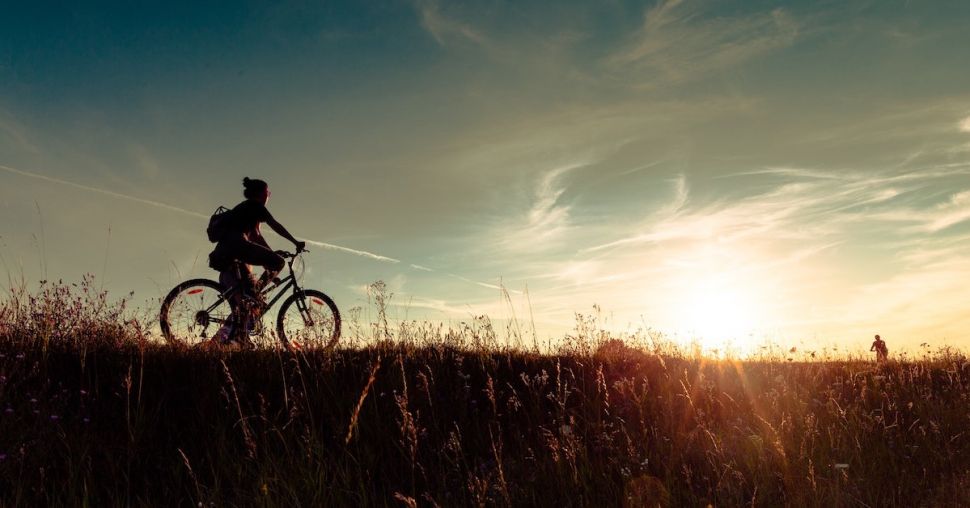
(173, 296)
(325, 341)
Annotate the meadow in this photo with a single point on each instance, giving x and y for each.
(95, 412)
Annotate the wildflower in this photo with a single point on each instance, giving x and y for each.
(83, 391)
(3, 457)
(86, 420)
(54, 418)
(20, 356)
(9, 410)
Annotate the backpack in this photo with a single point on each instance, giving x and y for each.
(219, 224)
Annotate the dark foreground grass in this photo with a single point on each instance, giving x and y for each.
(440, 426)
(93, 414)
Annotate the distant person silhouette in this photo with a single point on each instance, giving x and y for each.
(879, 346)
(243, 242)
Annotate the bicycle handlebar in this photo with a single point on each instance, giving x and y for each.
(291, 255)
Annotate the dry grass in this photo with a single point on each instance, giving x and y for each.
(92, 413)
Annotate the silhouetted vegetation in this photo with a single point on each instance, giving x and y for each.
(94, 411)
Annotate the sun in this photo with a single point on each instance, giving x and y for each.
(718, 315)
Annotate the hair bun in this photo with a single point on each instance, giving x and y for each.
(246, 181)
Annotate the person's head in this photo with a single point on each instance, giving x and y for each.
(256, 190)
(877, 337)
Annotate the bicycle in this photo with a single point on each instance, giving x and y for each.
(192, 307)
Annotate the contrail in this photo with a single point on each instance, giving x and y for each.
(483, 284)
(173, 208)
(166, 206)
(104, 191)
(356, 252)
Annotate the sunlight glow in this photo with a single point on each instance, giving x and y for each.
(717, 316)
(721, 300)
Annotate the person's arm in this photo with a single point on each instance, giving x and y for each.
(280, 230)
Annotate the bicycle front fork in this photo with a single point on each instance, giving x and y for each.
(304, 310)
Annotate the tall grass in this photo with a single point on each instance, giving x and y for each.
(92, 413)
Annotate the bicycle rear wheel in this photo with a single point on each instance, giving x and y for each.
(193, 311)
(308, 319)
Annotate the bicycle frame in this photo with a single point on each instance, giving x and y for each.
(286, 283)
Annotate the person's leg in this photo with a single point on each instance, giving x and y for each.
(237, 275)
(258, 255)
(255, 254)
(228, 279)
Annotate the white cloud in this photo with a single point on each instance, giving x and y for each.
(675, 43)
(548, 215)
(953, 212)
(545, 217)
(784, 238)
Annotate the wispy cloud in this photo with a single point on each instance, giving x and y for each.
(676, 43)
(445, 28)
(538, 221)
(809, 202)
(548, 216)
(776, 236)
(945, 215)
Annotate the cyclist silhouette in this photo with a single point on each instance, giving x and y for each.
(882, 351)
(243, 246)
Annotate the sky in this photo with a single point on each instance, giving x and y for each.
(737, 171)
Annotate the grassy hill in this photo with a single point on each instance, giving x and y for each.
(91, 414)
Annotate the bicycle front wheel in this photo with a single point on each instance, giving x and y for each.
(193, 311)
(308, 319)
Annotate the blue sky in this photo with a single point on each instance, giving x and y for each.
(792, 170)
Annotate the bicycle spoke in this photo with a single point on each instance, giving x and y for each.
(309, 323)
(196, 314)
